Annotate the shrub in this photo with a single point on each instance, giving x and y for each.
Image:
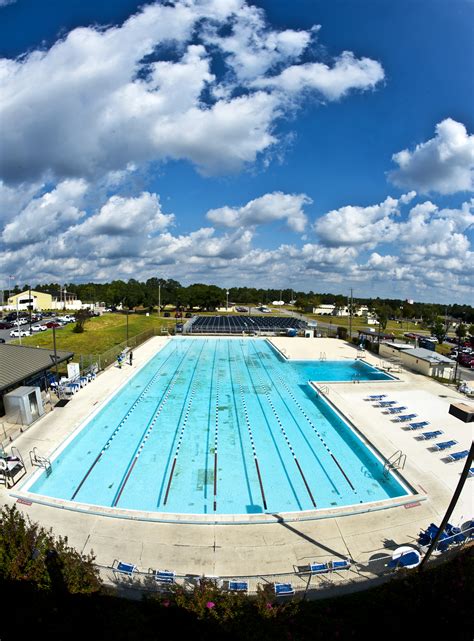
(28, 552)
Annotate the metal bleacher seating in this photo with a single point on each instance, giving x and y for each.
(244, 324)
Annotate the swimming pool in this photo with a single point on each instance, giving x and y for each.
(220, 426)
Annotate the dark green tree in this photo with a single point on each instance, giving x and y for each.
(82, 316)
(438, 329)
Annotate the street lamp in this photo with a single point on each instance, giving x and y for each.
(458, 331)
(127, 328)
(159, 300)
(29, 304)
(227, 300)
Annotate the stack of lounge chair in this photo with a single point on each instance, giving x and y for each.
(450, 535)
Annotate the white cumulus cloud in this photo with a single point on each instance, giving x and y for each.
(364, 226)
(126, 216)
(47, 215)
(103, 99)
(347, 73)
(443, 164)
(263, 210)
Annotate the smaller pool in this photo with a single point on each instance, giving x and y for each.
(338, 371)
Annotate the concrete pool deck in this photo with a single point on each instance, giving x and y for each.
(279, 547)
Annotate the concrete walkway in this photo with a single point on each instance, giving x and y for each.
(277, 547)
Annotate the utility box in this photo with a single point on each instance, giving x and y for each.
(309, 333)
(23, 406)
(462, 411)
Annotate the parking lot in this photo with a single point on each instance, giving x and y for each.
(37, 327)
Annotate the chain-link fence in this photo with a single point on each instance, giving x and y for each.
(104, 359)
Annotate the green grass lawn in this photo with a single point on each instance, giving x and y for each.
(100, 333)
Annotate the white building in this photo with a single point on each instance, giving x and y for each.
(332, 310)
(419, 359)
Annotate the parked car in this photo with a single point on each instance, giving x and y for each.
(166, 314)
(2, 340)
(52, 324)
(39, 328)
(241, 309)
(18, 333)
(6, 325)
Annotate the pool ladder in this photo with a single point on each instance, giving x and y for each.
(395, 462)
(321, 389)
(40, 461)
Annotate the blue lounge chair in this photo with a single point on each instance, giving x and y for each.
(396, 410)
(344, 564)
(407, 559)
(284, 589)
(429, 534)
(426, 436)
(468, 529)
(405, 417)
(417, 426)
(164, 576)
(386, 403)
(238, 586)
(319, 568)
(445, 445)
(124, 568)
(455, 534)
(457, 456)
(470, 474)
(375, 397)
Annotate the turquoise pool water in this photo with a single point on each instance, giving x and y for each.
(221, 426)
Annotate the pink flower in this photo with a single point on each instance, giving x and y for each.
(210, 605)
(166, 603)
(269, 606)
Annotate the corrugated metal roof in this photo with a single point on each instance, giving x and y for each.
(18, 362)
(428, 355)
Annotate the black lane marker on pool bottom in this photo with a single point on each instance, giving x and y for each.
(149, 427)
(124, 419)
(282, 381)
(252, 443)
(282, 429)
(345, 475)
(183, 427)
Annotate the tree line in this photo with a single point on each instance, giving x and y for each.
(148, 294)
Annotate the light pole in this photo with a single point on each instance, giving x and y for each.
(159, 300)
(10, 282)
(350, 319)
(29, 304)
(227, 301)
(18, 320)
(55, 353)
(458, 331)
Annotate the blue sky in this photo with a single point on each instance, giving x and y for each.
(316, 145)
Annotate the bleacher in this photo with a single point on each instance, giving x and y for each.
(244, 324)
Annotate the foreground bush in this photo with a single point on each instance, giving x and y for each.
(51, 591)
(30, 553)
